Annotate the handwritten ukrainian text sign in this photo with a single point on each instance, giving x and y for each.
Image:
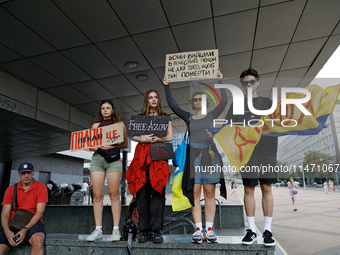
(146, 125)
(191, 65)
(161, 151)
(108, 135)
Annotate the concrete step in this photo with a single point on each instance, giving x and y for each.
(174, 244)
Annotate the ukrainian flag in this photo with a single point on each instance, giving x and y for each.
(238, 142)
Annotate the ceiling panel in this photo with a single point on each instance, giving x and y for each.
(269, 64)
(123, 106)
(331, 45)
(68, 94)
(7, 54)
(19, 37)
(93, 90)
(95, 19)
(160, 73)
(33, 74)
(141, 11)
(231, 38)
(89, 108)
(119, 85)
(181, 95)
(121, 51)
(135, 102)
(302, 54)
(270, 2)
(155, 45)
(318, 19)
(233, 65)
(178, 11)
(61, 67)
(222, 7)
(188, 33)
(92, 61)
(153, 82)
(337, 29)
(279, 19)
(46, 19)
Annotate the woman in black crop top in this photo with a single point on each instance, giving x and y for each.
(112, 170)
(202, 155)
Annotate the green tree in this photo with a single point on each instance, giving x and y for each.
(317, 165)
(284, 175)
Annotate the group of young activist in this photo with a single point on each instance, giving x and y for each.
(147, 177)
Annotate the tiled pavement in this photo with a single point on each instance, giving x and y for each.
(313, 229)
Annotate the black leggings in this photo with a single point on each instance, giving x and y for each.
(150, 206)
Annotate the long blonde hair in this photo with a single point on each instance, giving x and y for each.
(146, 106)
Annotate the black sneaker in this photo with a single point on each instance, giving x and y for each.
(158, 237)
(144, 237)
(249, 238)
(268, 239)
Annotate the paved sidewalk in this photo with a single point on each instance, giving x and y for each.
(313, 229)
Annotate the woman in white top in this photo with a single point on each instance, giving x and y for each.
(293, 186)
(325, 186)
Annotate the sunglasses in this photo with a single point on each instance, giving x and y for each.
(197, 99)
(245, 83)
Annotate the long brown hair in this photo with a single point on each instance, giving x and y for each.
(146, 106)
(114, 116)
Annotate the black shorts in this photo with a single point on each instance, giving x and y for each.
(260, 167)
(38, 227)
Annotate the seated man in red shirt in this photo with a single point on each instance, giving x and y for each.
(32, 196)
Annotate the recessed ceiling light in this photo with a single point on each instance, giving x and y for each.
(142, 77)
(176, 119)
(131, 64)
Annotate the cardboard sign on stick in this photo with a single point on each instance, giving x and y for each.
(108, 135)
(193, 65)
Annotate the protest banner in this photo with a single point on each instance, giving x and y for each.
(108, 135)
(193, 65)
(146, 125)
(161, 151)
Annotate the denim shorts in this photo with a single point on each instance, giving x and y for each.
(206, 174)
(98, 163)
(38, 227)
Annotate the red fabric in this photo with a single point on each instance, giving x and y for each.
(136, 174)
(27, 200)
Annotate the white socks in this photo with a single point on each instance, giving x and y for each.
(209, 225)
(198, 226)
(99, 227)
(251, 223)
(267, 223)
(116, 227)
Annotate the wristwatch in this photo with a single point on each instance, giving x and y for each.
(26, 229)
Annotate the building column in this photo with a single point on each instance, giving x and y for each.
(5, 175)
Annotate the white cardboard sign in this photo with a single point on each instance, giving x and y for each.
(193, 65)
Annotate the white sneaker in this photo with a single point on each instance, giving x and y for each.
(211, 237)
(96, 235)
(115, 235)
(197, 237)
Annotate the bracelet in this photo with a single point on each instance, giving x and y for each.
(26, 229)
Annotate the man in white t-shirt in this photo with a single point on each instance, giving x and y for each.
(84, 187)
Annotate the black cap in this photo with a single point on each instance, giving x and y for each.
(25, 167)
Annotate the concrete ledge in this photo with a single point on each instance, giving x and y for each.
(59, 246)
(79, 219)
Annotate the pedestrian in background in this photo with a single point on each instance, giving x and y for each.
(293, 192)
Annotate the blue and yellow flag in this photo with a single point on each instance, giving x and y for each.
(238, 142)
